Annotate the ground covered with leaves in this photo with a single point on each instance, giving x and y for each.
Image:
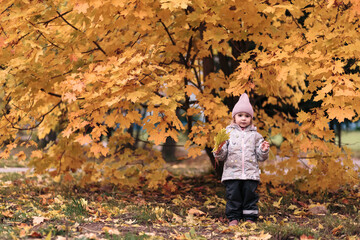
(35, 207)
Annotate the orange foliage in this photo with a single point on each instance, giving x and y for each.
(82, 67)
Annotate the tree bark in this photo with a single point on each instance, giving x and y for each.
(168, 150)
(218, 167)
(339, 133)
(209, 67)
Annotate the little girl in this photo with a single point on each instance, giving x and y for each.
(241, 154)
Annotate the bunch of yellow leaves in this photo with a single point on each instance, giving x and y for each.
(221, 137)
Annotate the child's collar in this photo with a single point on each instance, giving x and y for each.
(251, 127)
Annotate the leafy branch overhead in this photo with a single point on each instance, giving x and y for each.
(96, 72)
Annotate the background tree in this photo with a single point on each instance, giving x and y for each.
(85, 67)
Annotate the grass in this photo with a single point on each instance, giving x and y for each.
(330, 226)
(143, 214)
(287, 230)
(76, 209)
(277, 140)
(351, 139)
(10, 176)
(12, 162)
(128, 236)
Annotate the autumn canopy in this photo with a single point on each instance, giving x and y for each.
(95, 71)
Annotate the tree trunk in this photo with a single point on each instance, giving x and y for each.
(218, 167)
(208, 67)
(339, 133)
(169, 149)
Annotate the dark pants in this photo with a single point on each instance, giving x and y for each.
(241, 199)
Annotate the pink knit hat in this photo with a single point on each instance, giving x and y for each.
(243, 105)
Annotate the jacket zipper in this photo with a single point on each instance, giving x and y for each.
(243, 157)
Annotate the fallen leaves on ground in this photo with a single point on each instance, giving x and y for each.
(40, 208)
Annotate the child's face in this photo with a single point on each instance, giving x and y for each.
(243, 119)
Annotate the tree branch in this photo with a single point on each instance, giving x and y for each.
(50, 93)
(54, 18)
(35, 126)
(90, 51)
(61, 74)
(234, 46)
(168, 33)
(60, 15)
(53, 77)
(41, 34)
(17, 41)
(300, 47)
(135, 41)
(189, 50)
(155, 92)
(2, 30)
(67, 21)
(173, 43)
(196, 73)
(198, 80)
(102, 50)
(7, 8)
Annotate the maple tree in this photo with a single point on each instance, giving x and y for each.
(85, 68)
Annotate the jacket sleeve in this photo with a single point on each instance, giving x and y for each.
(222, 154)
(260, 154)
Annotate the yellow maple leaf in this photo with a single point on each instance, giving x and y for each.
(67, 132)
(36, 154)
(73, 57)
(20, 156)
(118, 3)
(303, 116)
(340, 113)
(277, 204)
(215, 34)
(174, 4)
(246, 69)
(81, 7)
(38, 220)
(98, 148)
(70, 97)
(196, 212)
(194, 151)
(2, 42)
(189, 89)
(158, 135)
(98, 131)
(112, 231)
(78, 86)
(338, 67)
(142, 14)
(83, 139)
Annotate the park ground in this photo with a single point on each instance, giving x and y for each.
(36, 207)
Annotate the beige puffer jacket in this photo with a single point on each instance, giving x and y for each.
(241, 154)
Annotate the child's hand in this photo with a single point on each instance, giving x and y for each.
(265, 146)
(220, 146)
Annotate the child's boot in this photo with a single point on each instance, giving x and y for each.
(233, 222)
